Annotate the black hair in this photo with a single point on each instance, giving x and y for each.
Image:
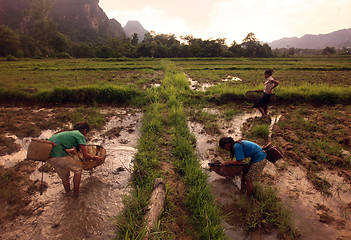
(80, 126)
(225, 140)
(269, 72)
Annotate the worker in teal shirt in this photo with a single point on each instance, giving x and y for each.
(65, 142)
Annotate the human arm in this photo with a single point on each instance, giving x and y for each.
(239, 155)
(224, 163)
(275, 83)
(86, 155)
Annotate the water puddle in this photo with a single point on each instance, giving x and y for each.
(196, 86)
(232, 79)
(58, 215)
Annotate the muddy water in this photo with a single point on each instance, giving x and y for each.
(225, 190)
(315, 216)
(58, 215)
(196, 86)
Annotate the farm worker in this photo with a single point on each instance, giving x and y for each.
(244, 149)
(65, 142)
(269, 85)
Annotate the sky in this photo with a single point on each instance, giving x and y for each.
(269, 20)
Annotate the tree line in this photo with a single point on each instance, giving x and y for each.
(43, 39)
(46, 41)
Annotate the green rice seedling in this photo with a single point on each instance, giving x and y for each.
(199, 200)
(325, 148)
(260, 131)
(321, 184)
(90, 114)
(265, 210)
(145, 171)
(230, 113)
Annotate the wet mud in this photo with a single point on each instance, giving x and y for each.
(315, 215)
(58, 215)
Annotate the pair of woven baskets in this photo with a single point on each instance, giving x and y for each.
(39, 150)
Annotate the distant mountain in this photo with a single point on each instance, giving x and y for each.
(135, 27)
(82, 20)
(337, 39)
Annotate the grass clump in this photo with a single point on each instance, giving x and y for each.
(90, 114)
(321, 184)
(260, 131)
(265, 210)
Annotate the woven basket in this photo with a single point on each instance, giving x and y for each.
(273, 153)
(95, 150)
(39, 150)
(227, 170)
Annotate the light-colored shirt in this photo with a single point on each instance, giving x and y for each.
(268, 85)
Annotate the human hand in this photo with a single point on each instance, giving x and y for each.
(224, 163)
(96, 158)
(70, 151)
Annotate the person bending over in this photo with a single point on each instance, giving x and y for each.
(65, 142)
(244, 149)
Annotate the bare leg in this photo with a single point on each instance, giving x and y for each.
(265, 111)
(243, 180)
(249, 187)
(262, 111)
(76, 183)
(66, 184)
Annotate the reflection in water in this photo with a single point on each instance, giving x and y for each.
(58, 215)
(196, 86)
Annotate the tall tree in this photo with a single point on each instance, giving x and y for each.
(250, 45)
(9, 41)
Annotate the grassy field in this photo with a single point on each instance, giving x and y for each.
(161, 88)
(310, 79)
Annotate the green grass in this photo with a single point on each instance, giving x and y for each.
(200, 202)
(156, 126)
(310, 80)
(260, 131)
(90, 114)
(265, 210)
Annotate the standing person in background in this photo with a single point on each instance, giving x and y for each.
(65, 142)
(243, 149)
(269, 85)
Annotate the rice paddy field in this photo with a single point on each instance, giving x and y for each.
(187, 105)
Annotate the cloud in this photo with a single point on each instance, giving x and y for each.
(233, 19)
(194, 14)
